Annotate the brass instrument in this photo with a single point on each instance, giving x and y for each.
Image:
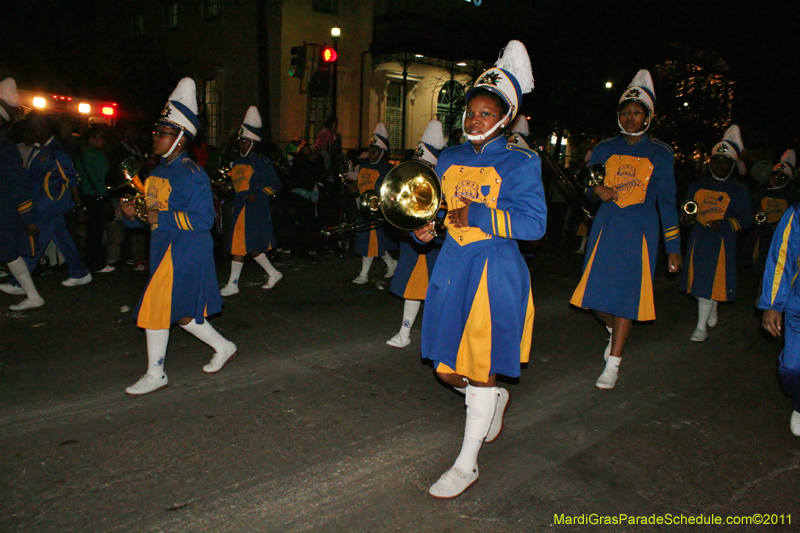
(409, 198)
(760, 217)
(594, 175)
(689, 209)
(130, 168)
(572, 189)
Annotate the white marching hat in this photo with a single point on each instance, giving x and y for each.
(181, 109)
(641, 90)
(431, 144)
(731, 145)
(251, 127)
(787, 164)
(9, 97)
(510, 78)
(380, 137)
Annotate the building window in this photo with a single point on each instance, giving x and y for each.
(450, 107)
(137, 24)
(326, 6)
(212, 9)
(172, 15)
(213, 118)
(394, 115)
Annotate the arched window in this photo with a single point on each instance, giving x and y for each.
(450, 106)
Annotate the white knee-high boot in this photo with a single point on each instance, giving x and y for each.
(157, 341)
(233, 282)
(480, 402)
(272, 272)
(20, 271)
(704, 307)
(224, 350)
(363, 277)
(391, 265)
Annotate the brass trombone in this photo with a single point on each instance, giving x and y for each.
(408, 199)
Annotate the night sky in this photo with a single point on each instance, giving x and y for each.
(574, 47)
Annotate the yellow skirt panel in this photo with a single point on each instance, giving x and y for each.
(156, 307)
(647, 306)
(718, 291)
(417, 284)
(474, 352)
(527, 331)
(580, 290)
(238, 246)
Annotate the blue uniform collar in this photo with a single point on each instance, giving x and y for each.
(492, 145)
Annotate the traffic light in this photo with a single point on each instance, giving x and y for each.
(298, 61)
(327, 57)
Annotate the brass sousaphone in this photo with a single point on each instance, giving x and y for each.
(408, 199)
(129, 169)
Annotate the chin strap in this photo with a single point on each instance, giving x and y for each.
(483, 136)
(637, 134)
(174, 145)
(248, 151)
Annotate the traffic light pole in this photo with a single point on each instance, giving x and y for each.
(335, 76)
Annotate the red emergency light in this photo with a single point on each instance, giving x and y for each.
(107, 111)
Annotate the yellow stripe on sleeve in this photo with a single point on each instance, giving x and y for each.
(502, 227)
(781, 264)
(24, 207)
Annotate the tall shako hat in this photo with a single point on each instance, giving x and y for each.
(510, 78)
(380, 137)
(251, 127)
(730, 146)
(431, 144)
(520, 132)
(787, 164)
(181, 109)
(9, 98)
(641, 90)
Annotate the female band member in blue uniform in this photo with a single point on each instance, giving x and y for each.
(479, 311)
(780, 300)
(416, 260)
(374, 242)
(17, 225)
(639, 188)
(180, 210)
(723, 208)
(254, 182)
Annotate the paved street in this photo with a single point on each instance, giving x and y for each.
(319, 426)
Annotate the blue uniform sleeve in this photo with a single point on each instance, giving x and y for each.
(526, 219)
(666, 199)
(199, 215)
(782, 262)
(738, 216)
(265, 182)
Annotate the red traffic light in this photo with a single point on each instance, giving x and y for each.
(329, 55)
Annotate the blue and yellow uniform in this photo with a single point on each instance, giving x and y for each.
(414, 268)
(50, 175)
(621, 253)
(781, 292)
(373, 242)
(479, 312)
(252, 221)
(183, 280)
(16, 206)
(710, 268)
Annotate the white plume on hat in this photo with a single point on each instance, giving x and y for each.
(731, 144)
(251, 127)
(9, 97)
(514, 59)
(380, 137)
(434, 135)
(521, 125)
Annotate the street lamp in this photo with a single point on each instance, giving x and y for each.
(336, 32)
(609, 85)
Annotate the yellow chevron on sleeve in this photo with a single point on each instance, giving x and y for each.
(781, 264)
(188, 222)
(671, 233)
(178, 220)
(269, 190)
(502, 229)
(735, 224)
(24, 207)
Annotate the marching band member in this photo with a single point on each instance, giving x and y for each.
(416, 260)
(17, 224)
(254, 182)
(479, 311)
(780, 300)
(723, 209)
(772, 201)
(374, 242)
(183, 280)
(620, 260)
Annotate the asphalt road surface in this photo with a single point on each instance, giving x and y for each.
(320, 426)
